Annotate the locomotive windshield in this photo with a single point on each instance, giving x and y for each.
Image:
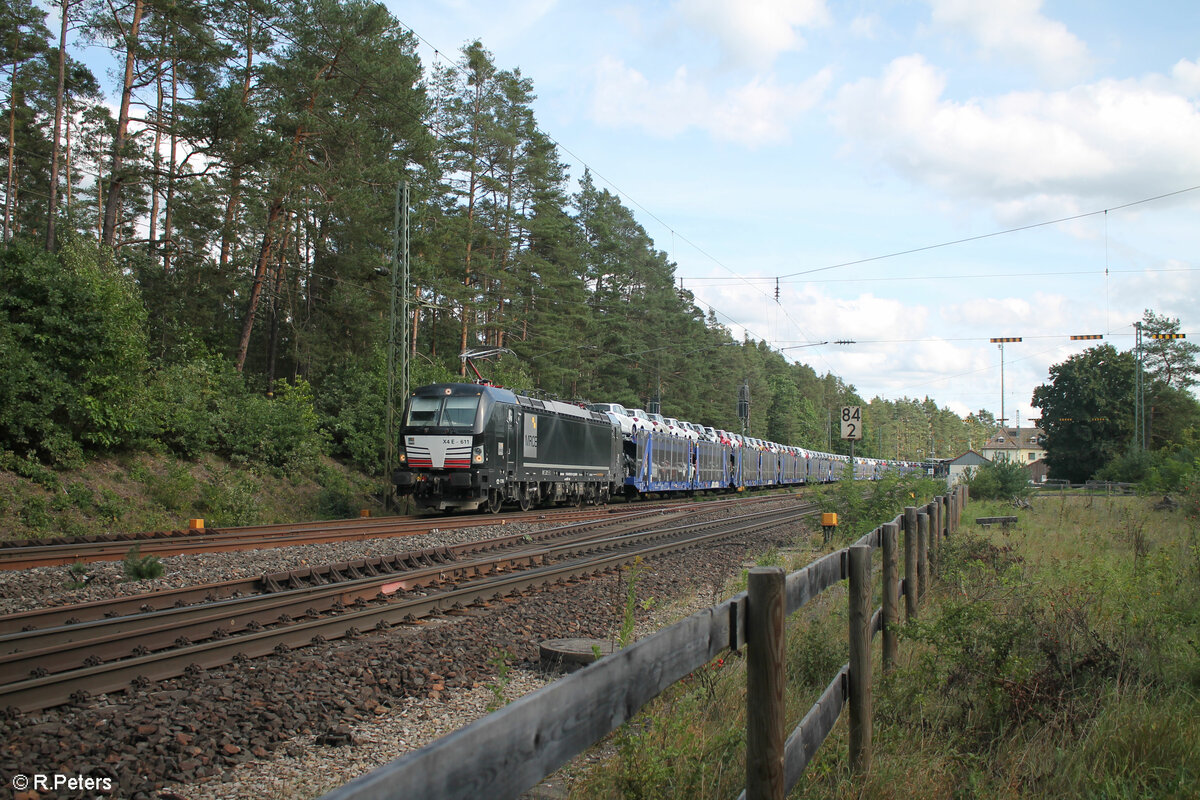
(442, 412)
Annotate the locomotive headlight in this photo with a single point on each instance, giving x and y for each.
(477, 454)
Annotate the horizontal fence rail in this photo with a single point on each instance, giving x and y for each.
(512, 749)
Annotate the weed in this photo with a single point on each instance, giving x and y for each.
(111, 507)
(815, 652)
(139, 567)
(771, 558)
(230, 499)
(688, 744)
(173, 491)
(34, 514)
(336, 498)
(861, 505)
(79, 577)
(628, 620)
(1060, 660)
(499, 662)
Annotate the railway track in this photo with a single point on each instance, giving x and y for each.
(287, 610)
(27, 554)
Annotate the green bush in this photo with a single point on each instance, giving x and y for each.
(999, 480)
(186, 403)
(173, 490)
(281, 431)
(1156, 471)
(230, 499)
(353, 407)
(74, 352)
(34, 514)
(111, 507)
(29, 467)
(862, 505)
(204, 406)
(336, 498)
(352, 403)
(1131, 467)
(81, 496)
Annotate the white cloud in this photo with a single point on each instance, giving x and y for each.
(1187, 77)
(1027, 151)
(866, 26)
(754, 33)
(1016, 31)
(758, 112)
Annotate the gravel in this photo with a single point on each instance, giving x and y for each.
(25, 590)
(301, 723)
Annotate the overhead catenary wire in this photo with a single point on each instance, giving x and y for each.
(961, 277)
(993, 234)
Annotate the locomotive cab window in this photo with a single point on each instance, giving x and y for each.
(424, 410)
(443, 412)
(459, 412)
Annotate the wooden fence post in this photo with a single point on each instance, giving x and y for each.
(910, 563)
(943, 520)
(923, 554)
(935, 523)
(765, 678)
(891, 598)
(937, 518)
(860, 659)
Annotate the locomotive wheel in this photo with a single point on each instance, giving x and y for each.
(495, 501)
(526, 500)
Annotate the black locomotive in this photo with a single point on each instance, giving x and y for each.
(466, 446)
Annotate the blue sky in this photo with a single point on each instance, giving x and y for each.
(759, 140)
(769, 139)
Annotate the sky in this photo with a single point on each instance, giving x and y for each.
(915, 177)
(844, 151)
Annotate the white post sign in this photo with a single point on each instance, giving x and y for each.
(852, 422)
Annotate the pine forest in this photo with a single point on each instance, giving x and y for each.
(197, 247)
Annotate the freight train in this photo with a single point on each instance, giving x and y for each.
(468, 446)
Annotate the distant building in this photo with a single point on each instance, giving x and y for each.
(1038, 471)
(1022, 445)
(964, 464)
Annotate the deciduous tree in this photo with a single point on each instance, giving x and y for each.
(1087, 411)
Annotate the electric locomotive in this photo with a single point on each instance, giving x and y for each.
(466, 446)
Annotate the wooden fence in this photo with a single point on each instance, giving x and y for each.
(511, 750)
(1088, 487)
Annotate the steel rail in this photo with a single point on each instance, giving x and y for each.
(24, 556)
(56, 689)
(211, 592)
(55, 649)
(108, 638)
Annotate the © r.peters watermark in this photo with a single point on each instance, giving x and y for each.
(43, 782)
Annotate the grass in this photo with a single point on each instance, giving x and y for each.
(1058, 659)
(157, 492)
